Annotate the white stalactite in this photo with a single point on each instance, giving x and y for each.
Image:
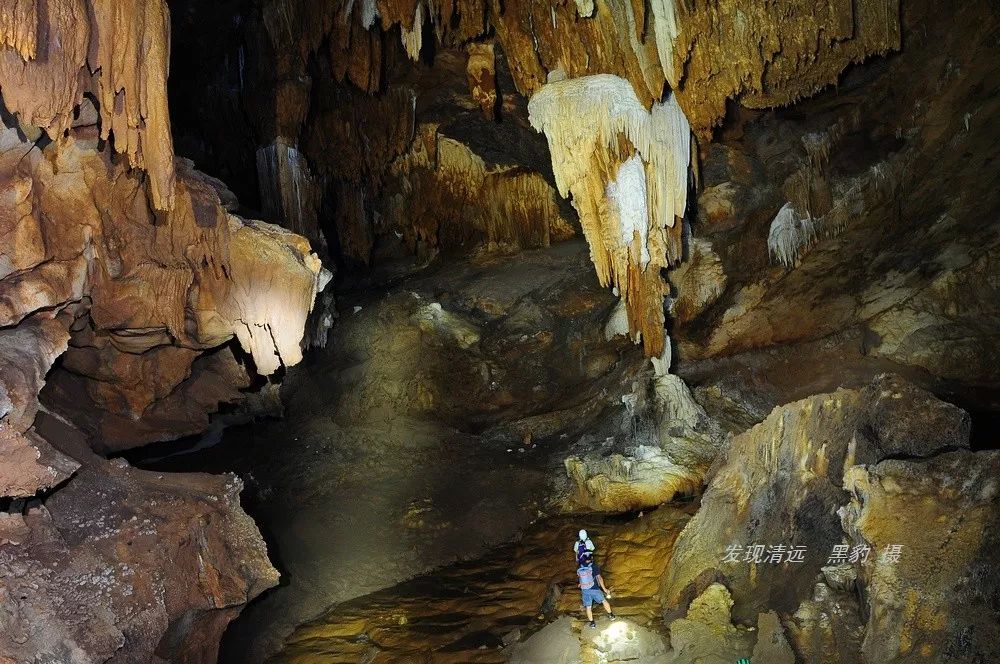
(413, 40)
(620, 189)
(662, 137)
(369, 12)
(666, 28)
(627, 194)
(790, 236)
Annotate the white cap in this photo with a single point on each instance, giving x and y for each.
(583, 535)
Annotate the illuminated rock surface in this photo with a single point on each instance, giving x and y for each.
(934, 605)
(792, 466)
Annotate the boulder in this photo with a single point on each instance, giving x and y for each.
(779, 485)
(128, 565)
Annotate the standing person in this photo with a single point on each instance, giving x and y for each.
(582, 547)
(592, 587)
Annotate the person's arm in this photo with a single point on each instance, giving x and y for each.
(600, 582)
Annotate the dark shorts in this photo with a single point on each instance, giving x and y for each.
(592, 596)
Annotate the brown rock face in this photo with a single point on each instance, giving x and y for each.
(919, 528)
(780, 484)
(132, 268)
(125, 565)
(936, 603)
(161, 287)
(126, 44)
(887, 241)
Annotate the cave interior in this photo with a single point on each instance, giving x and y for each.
(327, 325)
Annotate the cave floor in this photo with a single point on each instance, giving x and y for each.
(479, 610)
(431, 429)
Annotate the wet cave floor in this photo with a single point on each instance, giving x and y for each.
(478, 610)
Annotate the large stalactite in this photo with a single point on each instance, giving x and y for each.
(627, 170)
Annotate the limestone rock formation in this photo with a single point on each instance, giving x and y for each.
(538, 49)
(700, 281)
(449, 196)
(141, 294)
(289, 191)
(682, 444)
(627, 172)
(126, 45)
(706, 633)
(792, 465)
(772, 645)
(900, 261)
(123, 276)
(481, 70)
(787, 251)
(778, 486)
(777, 55)
(827, 626)
(935, 602)
(28, 463)
(127, 565)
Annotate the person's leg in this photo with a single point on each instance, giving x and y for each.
(607, 606)
(590, 613)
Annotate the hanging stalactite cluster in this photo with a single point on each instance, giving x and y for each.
(643, 74)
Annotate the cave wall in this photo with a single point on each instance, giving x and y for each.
(859, 217)
(127, 290)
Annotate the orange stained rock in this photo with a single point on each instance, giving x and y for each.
(707, 51)
(126, 43)
(19, 26)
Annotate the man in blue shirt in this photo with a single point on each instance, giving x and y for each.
(591, 586)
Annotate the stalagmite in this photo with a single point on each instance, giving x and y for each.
(627, 171)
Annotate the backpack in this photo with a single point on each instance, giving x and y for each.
(586, 576)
